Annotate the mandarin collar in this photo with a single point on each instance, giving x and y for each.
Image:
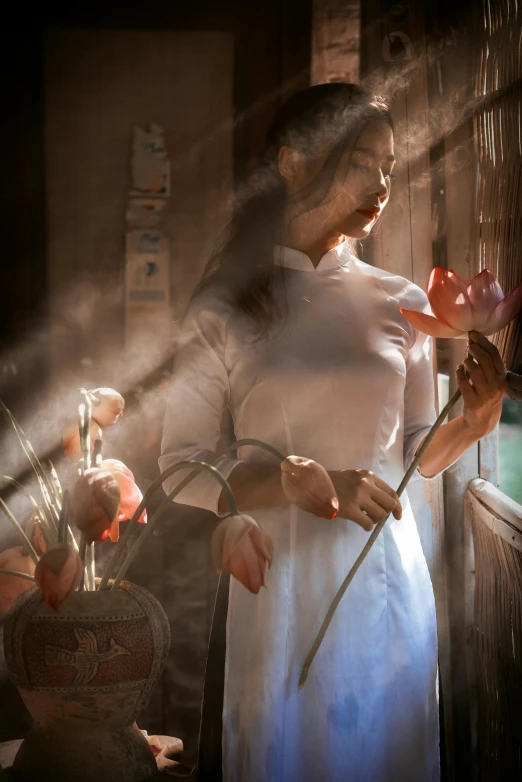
(295, 259)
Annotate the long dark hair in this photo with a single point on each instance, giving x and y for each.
(323, 117)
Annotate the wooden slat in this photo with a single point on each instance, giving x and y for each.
(402, 244)
(496, 633)
(497, 503)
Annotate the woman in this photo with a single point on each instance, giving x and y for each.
(305, 346)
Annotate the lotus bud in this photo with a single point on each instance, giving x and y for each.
(130, 495)
(58, 573)
(460, 306)
(107, 406)
(11, 587)
(240, 547)
(71, 439)
(307, 484)
(95, 500)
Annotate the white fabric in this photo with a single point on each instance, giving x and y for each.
(345, 380)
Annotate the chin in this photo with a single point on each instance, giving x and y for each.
(356, 229)
(357, 233)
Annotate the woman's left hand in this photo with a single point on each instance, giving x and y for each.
(483, 387)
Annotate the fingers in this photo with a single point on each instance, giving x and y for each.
(485, 361)
(360, 518)
(375, 511)
(364, 498)
(467, 391)
(476, 375)
(382, 488)
(490, 348)
(387, 502)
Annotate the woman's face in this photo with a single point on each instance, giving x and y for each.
(366, 188)
(361, 186)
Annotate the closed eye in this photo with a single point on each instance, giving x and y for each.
(366, 167)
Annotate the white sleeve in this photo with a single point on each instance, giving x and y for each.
(419, 397)
(419, 392)
(197, 402)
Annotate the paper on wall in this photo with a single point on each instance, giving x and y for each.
(147, 285)
(149, 164)
(144, 212)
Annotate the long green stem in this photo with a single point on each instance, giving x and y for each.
(371, 540)
(81, 419)
(58, 493)
(64, 515)
(16, 574)
(86, 435)
(120, 549)
(81, 553)
(84, 422)
(46, 486)
(150, 526)
(45, 526)
(18, 529)
(90, 567)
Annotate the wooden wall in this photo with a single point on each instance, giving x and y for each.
(269, 42)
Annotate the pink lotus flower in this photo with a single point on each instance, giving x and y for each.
(58, 573)
(240, 547)
(130, 495)
(307, 484)
(95, 501)
(71, 439)
(11, 587)
(460, 306)
(107, 405)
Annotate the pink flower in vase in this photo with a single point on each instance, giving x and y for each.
(71, 439)
(307, 484)
(244, 550)
(11, 587)
(107, 406)
(58, 573)
(460, 306)
(130, 495)
(95, 501)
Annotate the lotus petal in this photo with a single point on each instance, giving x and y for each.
(449, 300)
(11, 587)
(71, 439)
(58, 573)
(130, 495)
(107, 407)
(95, 500)
(484, 294)
(430, 325)
(504, 312)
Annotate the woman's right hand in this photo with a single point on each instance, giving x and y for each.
(364, 498)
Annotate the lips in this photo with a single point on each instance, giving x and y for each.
(370, 214)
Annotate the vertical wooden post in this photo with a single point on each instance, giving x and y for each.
(335, 40)
(403, 244)
(460, 177)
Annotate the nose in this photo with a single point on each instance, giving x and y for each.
(377, 184)
(381, 188)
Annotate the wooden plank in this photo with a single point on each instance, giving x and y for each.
(403, 244)
(489, 457)
(497, 503)
(460, 178)
(335, 40)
